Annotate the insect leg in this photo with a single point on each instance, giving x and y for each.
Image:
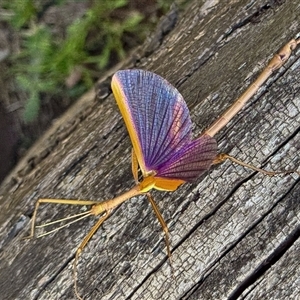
(134, 166)
(223, 156)
(162, 223)
(81, 247)
(55, 201)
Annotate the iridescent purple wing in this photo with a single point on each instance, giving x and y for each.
(159, 126)
(190, 161)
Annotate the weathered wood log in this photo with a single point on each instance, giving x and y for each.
(234, 233)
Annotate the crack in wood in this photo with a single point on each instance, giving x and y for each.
(278, 252)
(263, 267)
(59, 270)
(75, 164)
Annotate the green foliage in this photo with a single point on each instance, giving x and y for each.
(22, 11)
(46, 59)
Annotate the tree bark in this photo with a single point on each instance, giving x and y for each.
(234, 233)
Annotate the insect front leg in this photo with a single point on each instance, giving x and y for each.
(163, 225)
(55, 201)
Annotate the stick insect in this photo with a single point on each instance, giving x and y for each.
(159, 126)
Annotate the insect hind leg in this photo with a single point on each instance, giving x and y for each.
(223, 156)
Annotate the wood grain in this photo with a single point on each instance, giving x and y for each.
(234, 233)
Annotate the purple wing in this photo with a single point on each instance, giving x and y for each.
(162, 123)
(191, 161)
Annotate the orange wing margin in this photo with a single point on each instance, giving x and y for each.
(126, 114)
